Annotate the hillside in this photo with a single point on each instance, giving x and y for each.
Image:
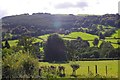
(68, 26)
(45, 23)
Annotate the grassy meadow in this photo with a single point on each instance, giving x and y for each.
(82, 71)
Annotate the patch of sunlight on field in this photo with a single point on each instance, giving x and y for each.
(38, 40)
(14, 42)
(41, 49)
(11, 42)
(91, 43)
(115, 45)
(84, 36)
(44, 36)
(112, 66)
(116, 34)
(113, 41)
(68, 39)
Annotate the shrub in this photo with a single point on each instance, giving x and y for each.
(19, 65)
(74, 67)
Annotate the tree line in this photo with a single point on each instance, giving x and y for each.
(57, 49)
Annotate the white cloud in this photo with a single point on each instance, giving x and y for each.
(12, 7)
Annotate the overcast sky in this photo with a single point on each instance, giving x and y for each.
(99, 7)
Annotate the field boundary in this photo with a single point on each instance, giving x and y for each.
(98, 59)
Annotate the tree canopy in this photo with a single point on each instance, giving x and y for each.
(55, 49)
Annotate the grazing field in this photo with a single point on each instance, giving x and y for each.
(82, 71)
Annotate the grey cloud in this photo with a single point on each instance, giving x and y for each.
(65, 5)
(82, 4)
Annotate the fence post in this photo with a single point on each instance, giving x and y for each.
(40, 72)
(96, 69)
(106, 70)
(88, 69)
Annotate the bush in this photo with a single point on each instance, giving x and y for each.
(74, 66)
(19, 65)
(6, 52)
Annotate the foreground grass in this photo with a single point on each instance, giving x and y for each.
(82, 72)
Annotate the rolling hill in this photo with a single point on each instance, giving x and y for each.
(72, 36)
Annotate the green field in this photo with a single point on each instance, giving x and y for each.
(74, 35)
(44, 36)
(11, 42)
(84, 36)
(82, 72)
(116, 34)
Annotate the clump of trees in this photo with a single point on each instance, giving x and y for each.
(75, 48)
(55, 49)
(105, 49)
(18, 61)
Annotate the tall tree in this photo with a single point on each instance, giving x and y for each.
(55, 49)
(101, 36)
(7, 45)
(95, 42)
